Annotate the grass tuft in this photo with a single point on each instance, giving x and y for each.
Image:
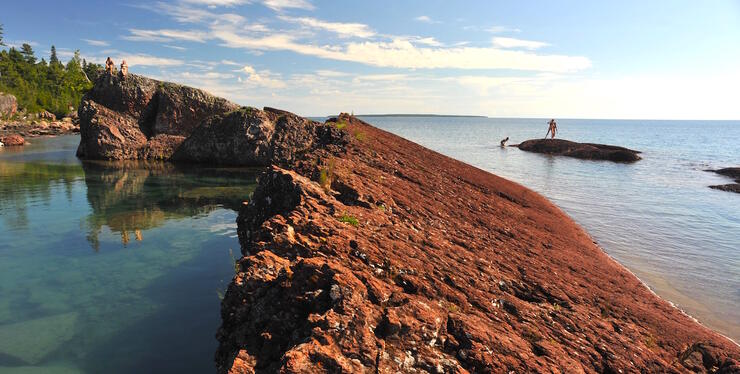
(345, 218)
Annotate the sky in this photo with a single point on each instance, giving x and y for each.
(563, 59)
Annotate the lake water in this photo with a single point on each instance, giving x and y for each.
(656, 216)
(112, 267)
(118, 267)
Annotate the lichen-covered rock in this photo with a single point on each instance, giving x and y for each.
(587, 151)
(119, 116)
(8, 105)
(387, 257)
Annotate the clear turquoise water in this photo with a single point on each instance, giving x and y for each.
(656, 216)
(112, 268)
(117, 268)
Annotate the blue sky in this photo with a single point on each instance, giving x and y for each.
(576, 59)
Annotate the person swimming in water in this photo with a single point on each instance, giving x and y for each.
(552, 129)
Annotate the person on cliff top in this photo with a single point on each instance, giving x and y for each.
(109, 65)
(124, 69)
(552, 129)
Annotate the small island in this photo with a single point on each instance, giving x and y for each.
(586, 151)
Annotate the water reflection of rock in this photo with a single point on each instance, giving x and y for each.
(23, 182)
(132, 196)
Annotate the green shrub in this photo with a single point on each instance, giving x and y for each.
(345, 218)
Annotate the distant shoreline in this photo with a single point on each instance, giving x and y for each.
(417, 115)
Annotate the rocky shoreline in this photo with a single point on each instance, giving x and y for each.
(364, 252)
(16, 127)
(586, 151)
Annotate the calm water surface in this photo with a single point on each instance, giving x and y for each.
(112, 267)
(656, 216)
(118, 267)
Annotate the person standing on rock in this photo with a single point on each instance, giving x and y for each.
(552, 129)
(109, 66)
(124, 69)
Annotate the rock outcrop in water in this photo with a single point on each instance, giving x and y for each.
(388, 257)
(587, 151)
(134, 117)
(12, 140)
(733, 173)
(364, 252)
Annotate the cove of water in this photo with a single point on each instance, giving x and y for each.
(112, 267)
(656, 216)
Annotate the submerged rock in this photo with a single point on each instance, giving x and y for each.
(733, 172)
(20, 340)
(587, 151)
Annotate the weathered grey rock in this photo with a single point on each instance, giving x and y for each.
(8, 105)
(587, 151)
(120, 117)
(249, 136)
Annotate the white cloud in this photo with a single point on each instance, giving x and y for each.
(279, 5)
(214, 3)
(96, 43)
(331, 73)
(502, 42)
(425, 19)
(19, 43)
(166, 35)
(175, 47)
(501, 29)
(401, 53)
(428, 41)
(357, 30)
(229, 62)
(262, 78)
(148, 60)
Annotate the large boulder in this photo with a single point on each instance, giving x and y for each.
(587, 151)
(254, 137)
(120, 116)
(8, 105)
(12, 140)
(140, 118)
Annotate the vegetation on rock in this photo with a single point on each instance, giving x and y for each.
(41, 86)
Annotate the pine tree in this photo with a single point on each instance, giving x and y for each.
(53, 60)
(27, 53)
(1, 35)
